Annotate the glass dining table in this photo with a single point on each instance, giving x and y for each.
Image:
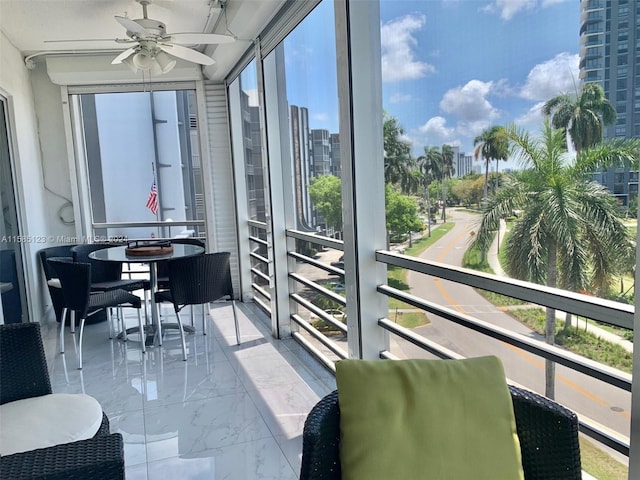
(119, 254)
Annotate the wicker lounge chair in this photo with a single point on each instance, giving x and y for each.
(24, 375)
(548, 435)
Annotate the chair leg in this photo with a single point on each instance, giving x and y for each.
(64, 315)
(235, 319)
(142, 335)
(110, 321)
(72, 322)
(80, 344)
(204, 323)
(184, 343)
(123, 323)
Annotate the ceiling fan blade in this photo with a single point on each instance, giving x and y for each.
(200, 38)
(70, 40)
(130, 25)
(186, 53)
(122, 56)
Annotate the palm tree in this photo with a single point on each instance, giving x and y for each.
(571, 228)
(448, 170)
(428, 163)
(398, 164)
(582, 115)
(491, 144)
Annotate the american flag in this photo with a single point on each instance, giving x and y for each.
(152, 200)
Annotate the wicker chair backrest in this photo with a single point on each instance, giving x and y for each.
(23, 365)
(200, 279)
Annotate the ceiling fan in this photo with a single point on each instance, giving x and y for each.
(155, 50)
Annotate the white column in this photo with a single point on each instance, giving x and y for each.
(361, 150)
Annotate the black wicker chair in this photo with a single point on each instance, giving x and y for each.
(198, 280)
(163, 267)
(24, 374)
(78, 297)
(105, 276)
(547, 431)
(55, 292)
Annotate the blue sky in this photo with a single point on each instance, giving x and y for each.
(450, 68)
(454, 67)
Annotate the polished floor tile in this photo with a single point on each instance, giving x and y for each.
(233, 412)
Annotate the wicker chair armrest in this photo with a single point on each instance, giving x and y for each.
(99, 457)
(321, 441)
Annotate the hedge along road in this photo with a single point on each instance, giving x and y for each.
(603, 403)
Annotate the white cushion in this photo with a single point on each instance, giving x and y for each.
(54, 282)
(40, 422)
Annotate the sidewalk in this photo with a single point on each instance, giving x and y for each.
(494, 263)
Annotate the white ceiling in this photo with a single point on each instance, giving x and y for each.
(31, 25)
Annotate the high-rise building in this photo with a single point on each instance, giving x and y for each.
(610, 56)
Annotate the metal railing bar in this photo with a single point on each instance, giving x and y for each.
(602, 310)
(594, 369)
(606, 438)
(320, 240)
(265, 308)
(316, 263)
(193, 223)
(387, 355)
(318, 336)
(418, 341)
(259, 240)
(257, 224)
(319, 312)
(258, 289)
(323, 359)
(258, 273)
(318, 288)
(259, 258)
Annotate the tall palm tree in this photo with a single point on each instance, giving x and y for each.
(571, 228)
(398, 163)
(448, 169)
(582, 115)
(428, 164)
(491, 144)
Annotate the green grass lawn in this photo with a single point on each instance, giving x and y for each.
(599, 464)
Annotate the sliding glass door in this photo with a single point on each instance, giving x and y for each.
(13, 307)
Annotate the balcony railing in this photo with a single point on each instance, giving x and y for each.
(327, 349)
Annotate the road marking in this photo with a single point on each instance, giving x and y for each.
(525, 355)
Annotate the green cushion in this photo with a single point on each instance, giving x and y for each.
(426, 419)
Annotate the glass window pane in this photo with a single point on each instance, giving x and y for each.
(143, 161)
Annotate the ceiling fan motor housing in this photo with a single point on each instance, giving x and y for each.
(154, 28)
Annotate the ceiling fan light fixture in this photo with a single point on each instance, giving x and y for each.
(143, 60)
(129, 63)
(165, 62)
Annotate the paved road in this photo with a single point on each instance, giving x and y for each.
(607, 405)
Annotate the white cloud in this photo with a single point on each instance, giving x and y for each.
(509, 8)
(399, 97)
(532, 117)
(399, 47)
(469, 102)
(434, 132)
(320, 117)
(437, 127)
(551, 78)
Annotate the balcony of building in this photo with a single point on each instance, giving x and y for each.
(237, 411)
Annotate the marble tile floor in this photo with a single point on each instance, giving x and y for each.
(229, 412)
